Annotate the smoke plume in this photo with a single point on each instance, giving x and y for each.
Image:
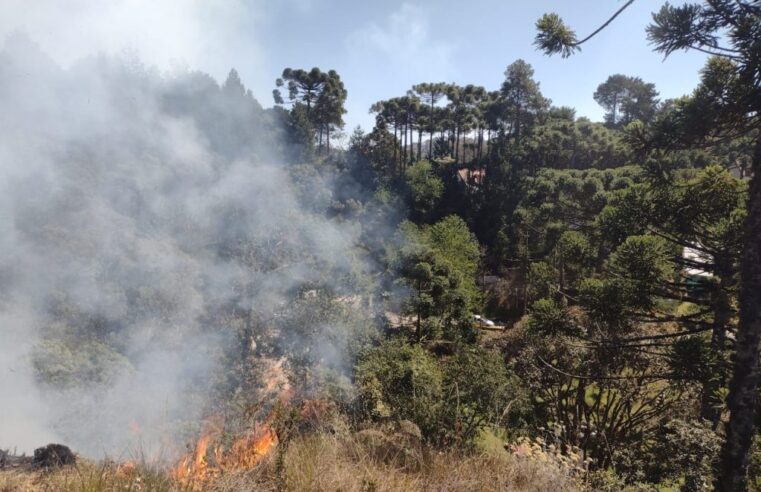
(140, 214)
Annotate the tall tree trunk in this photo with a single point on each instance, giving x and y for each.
(401, 149)
(457, 144)
(396, 148)
(452, 136)
(488, 143)
(327, 138)
(408, 142)
(420, 143)
(743, 388)
(418, 329)
(431, 126)
(579, 406)
(480, 154)
(459, 155)
(525, 265)
(404, 146)
(455, 135)
(411, 146)
(517, 130)
(711, 401)
(412, 142)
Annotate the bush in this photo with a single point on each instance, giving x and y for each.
(754, 466)
(549, 318)
(402, 382)
(480, 392)
(541, 277)
(68, 362)
(683, 452)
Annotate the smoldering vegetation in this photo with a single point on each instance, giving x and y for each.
(156, 245)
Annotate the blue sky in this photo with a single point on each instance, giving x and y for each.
(380, 48)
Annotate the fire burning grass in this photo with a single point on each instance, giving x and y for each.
(196, 471)
(338, 459)
(209, 459)
(312, 461)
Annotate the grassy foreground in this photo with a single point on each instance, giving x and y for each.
(321, 462)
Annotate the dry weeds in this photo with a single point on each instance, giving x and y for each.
(319, 462)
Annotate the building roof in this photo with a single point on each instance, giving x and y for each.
(471, 176)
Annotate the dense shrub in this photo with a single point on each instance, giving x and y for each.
(400, 381)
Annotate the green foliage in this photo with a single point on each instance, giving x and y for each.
(625, 213)
(298, 133)
(581, 144)
(626, 99)
(621, 335)
(401, 381)
(479, 392)
(429, 94)
(691, 358)
(522, 99)
(605, 301)
(437, 302)
(372, 158)
(754, 465)
(319, 95)
(553, 36)
(438, 264)
(451, 399)
(542, 280)
(547, 318)
(565, 218)
(646, 260)
(684, 451)
(458, 248)
(424, 189)
(68, 361)
(573, 251)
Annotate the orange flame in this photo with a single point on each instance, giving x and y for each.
(134, 427)
(193, 471)
(126, 470)
(196, 470)
(248, 451)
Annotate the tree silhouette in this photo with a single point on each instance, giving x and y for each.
(322, 93)
(626, 99)
(430, 94)
(522, 100)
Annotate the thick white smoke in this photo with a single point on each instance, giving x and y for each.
(132, 208)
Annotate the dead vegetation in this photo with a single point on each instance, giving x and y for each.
(322, 461)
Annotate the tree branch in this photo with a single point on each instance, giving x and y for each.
(714, 53)
(597, 31)
(607, 378)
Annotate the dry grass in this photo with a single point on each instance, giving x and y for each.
(89, 477)
(325, 462)
(321, 462)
